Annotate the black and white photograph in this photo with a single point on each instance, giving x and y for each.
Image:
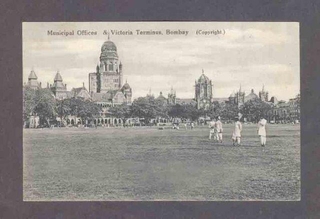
(161, 111)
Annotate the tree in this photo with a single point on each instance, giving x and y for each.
(192, 112)
(29, 102)
(85, 109)
(254, 109)
(215, 109)
(63, 108)
(177, 110)
(44, 105)
(148, 108)
(228, 111)
(122, 111)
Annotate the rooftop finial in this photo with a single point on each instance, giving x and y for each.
(108, 36)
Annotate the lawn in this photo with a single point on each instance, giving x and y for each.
(145, 163)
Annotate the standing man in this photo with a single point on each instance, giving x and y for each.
(219, 129)
(212, 125)
(262, 131)
(236, 136)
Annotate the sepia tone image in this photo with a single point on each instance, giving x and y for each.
(161, 111)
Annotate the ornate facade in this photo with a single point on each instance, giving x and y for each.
(203, 92)
(58, 88)
(33, 81)
(106, 84)
(263, 95)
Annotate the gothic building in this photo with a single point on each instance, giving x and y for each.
(203, 92)
(172, 100)
(240, 97)
(58, 88)
(106, 84)
(33, 81)
(263, 95)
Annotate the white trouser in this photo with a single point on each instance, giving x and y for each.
(263, 139)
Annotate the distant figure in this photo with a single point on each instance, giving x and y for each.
(219, 129)
(212, 125)
(236, 136)
(192, 125)
(262, 131)
(186, 125)
(175, 126)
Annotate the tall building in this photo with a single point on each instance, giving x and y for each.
(203, 92)
(172, 97)
(58, 88)
(263, 95)
(108, 78)
(33, 81)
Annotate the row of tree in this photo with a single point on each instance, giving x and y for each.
(150, 108)
(43, 104)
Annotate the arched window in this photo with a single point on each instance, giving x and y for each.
(111, 66)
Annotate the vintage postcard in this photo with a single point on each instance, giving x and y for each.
(161, 111)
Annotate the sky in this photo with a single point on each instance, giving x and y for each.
(250, 54)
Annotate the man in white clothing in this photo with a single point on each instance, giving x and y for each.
(236, 136)
(212, 125)
(262, 131)
(219, 129)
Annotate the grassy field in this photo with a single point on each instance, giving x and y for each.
(145, 163)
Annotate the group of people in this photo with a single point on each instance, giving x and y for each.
(216, 131)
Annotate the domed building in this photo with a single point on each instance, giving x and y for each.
(203, 92)
(108, 78)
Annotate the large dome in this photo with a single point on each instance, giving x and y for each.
(108, 50)
(203, 79)
(108, 45)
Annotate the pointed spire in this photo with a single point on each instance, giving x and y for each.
(57, 77)
(108, 36)
(32, 75)
(263, 88)
(202, 71)
(83, 84)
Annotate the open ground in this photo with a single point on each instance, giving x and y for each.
(145, 163)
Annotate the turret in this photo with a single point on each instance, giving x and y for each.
(120, 67)
(33, 80)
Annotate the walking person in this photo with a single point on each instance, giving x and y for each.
(262, 131)
(212, 125)
(236, 136)
(219, 129)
